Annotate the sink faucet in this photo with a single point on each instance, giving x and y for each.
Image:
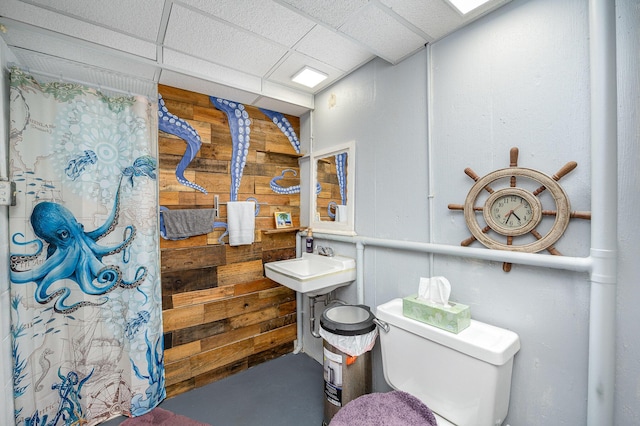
(325, 251)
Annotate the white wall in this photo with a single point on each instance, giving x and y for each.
(6, 373)
(518, 77)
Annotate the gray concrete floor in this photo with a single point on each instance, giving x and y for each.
(286, 391)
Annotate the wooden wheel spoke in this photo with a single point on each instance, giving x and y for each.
(551, 249)
(559, 175)
(475, 177)
(461, 207)
(506, 266)
(572, 215)
(513, 162)
(471, 239)
(513, 211)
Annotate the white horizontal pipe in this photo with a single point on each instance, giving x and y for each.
(579, 264)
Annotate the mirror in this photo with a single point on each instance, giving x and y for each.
(332, 189)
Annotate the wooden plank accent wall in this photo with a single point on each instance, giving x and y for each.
(220, 314)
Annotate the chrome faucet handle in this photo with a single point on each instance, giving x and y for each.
(325, 251)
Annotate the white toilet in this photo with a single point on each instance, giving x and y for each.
(465, 378)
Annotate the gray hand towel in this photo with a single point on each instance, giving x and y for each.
(188, 222)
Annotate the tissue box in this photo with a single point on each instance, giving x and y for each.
(455, 318)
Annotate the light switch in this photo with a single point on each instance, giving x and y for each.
(7, 193)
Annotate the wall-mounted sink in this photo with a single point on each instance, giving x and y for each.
(312, 274)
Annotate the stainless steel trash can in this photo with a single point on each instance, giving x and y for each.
(346, 377)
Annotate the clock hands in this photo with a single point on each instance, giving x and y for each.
(508, 215)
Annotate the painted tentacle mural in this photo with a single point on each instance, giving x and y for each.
(73, 253)
(293, 189)
(341, 162)
(285, 127)
(170, 123)
(275, 187)
(240, 127)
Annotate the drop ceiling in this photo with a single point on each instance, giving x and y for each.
(245, 50)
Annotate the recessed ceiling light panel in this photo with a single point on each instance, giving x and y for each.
(309, 77)
(466, 6)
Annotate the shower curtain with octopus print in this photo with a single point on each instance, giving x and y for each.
(86, 311)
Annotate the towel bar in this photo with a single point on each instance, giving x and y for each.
(217, 203)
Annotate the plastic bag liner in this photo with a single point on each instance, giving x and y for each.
(351, 345)
(349, 328)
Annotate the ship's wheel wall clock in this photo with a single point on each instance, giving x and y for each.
(510, 203)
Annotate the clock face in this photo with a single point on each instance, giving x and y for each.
(512, 211)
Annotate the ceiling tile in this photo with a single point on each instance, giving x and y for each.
(258, 17)
(64, 25)
(331, 12)
(389, 39)
(332, 48)
(434, 17)
(140, 18)
(220, 43)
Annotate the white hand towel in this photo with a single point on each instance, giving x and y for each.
(241, 222)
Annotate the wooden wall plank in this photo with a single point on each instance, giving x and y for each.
(191, 258)
(236, 273)
(210, 360)
(201, 296)
(220, 313)
(182, 281)
(182, 351)
(183, 317)
(274, 338)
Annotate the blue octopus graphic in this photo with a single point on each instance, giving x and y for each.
(72, 253)
(294, 189)
(285, 127)
(174, 125)
(240, 127)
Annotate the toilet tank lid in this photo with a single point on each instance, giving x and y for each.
(482, 341)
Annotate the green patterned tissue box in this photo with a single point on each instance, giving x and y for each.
(455, 318)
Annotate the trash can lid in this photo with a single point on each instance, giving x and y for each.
(348, 320)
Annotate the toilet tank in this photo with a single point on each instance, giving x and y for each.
(464, 377)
